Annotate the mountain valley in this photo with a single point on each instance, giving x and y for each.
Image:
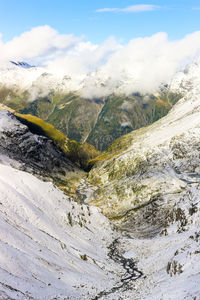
(98, 121)
(129, 226)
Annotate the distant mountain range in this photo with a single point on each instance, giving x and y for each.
(99, 121)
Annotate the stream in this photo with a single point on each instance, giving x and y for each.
(131, 272)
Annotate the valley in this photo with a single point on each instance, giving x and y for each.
(123, 223)
(97, 121)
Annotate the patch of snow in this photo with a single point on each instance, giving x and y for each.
(129, 254)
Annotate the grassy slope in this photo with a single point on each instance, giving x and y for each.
(121, 115)
(76, 152)
(97, 123)
(76, 117)
(120, 144)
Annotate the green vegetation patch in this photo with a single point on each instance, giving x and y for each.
(76, 152)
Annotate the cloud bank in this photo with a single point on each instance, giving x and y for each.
(40, 42)
(130, 9)
(142, 65)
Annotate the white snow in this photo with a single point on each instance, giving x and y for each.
(160, 160)
(7, 123)
(40, 252)
(153, 256)
(129, 254)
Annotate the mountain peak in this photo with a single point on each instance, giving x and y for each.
(22, 64)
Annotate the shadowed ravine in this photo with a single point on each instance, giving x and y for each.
(131, 272)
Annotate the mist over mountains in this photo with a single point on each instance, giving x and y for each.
(58, 246)
(98, 121)
(141, 65)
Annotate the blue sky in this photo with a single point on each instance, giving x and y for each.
(79, 17)
(140, 43)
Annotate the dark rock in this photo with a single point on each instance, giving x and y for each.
(38, 154)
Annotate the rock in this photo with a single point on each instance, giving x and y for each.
(37, 154)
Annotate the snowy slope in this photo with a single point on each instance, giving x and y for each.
(43, 235)
(149, 185)
(50, 246)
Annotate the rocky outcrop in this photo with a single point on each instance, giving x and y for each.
(37, 154)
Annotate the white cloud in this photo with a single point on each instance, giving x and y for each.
(142, 65)
(39, 42)
(83, 58)
(107, 9)
(130, 9)
(99, 70)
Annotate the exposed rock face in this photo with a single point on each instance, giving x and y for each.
(37, 154)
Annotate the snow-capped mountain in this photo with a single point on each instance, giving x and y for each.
(22, 64)
(22, 76)
(41, 81)
(147, 182)
(187, 81)
(15, 77)
(51, 247)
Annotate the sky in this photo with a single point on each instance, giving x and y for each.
(134, 45)
(87, 17)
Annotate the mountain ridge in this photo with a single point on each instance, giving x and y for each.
(98, 120)
(146, 182)
(159, 141)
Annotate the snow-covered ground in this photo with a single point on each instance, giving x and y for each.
(152, 190)
(54, 248)
(50, 246)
